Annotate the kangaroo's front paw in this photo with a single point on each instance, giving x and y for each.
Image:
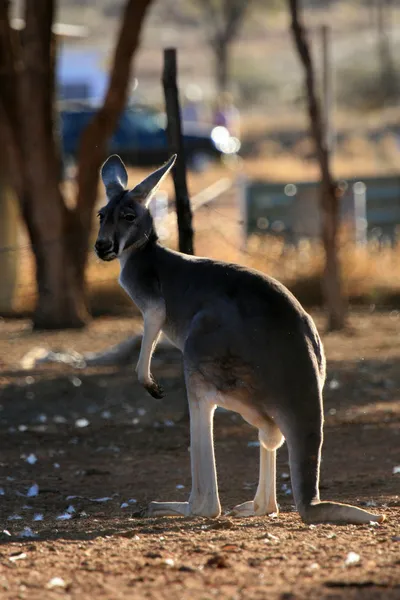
(154, 389)
(149, 384)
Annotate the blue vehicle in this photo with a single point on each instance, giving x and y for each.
(140, 138)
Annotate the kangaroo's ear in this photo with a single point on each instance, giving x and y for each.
(114, 175)
(144, 192)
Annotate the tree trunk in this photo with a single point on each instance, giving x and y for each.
(93, 147)
(60, 301)
(387, 71)
(221, 55)
(329, 200)
(59, 236)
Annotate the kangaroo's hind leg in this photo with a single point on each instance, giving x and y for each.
(203, 500)
(264, 502)
(303, 431)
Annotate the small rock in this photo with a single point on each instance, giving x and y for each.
(64, 517)
(31, 459)
(59, 419)
(352, 559)
(37, 517)
(396, 470)
(18, 556)
(217, 562)
(27, 533)
(56, 582)
(104, 499)
(180, 486)
(33, 491)
(153, 555)
(396, 538)
(82, 423)
(169, 561)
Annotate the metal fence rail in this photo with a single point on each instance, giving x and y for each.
(370, 205)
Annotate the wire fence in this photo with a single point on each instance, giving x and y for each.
(25, 251)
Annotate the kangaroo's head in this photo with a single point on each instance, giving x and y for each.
(125, 221)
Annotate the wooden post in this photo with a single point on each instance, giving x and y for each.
(175, 141)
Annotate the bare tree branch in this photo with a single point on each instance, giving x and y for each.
(222, 20)
(94, 140)
(329, 200)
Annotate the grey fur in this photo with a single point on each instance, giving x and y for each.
(244, 338)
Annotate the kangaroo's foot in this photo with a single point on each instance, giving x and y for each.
(333, 512)
(254, 509)
(182, 509)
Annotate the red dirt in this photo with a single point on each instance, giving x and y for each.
(108, 552)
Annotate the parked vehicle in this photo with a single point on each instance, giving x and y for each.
(140, 138)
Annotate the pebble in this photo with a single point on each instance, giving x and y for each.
(352, 559)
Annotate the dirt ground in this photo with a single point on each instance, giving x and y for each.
(104, 449)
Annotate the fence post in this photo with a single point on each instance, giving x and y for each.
(175, 141)
(360, 212)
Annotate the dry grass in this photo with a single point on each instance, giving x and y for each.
(369, 276)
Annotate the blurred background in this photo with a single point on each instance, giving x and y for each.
(253, 170)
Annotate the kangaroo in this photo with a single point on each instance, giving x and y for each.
(247, 345)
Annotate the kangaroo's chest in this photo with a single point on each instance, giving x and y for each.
(142, 290)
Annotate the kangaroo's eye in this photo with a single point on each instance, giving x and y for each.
(129, 217)
(100, 217)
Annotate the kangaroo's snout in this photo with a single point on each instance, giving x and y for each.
(104, 249)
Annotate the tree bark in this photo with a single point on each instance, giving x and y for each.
(329, 196)
(93, 147)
